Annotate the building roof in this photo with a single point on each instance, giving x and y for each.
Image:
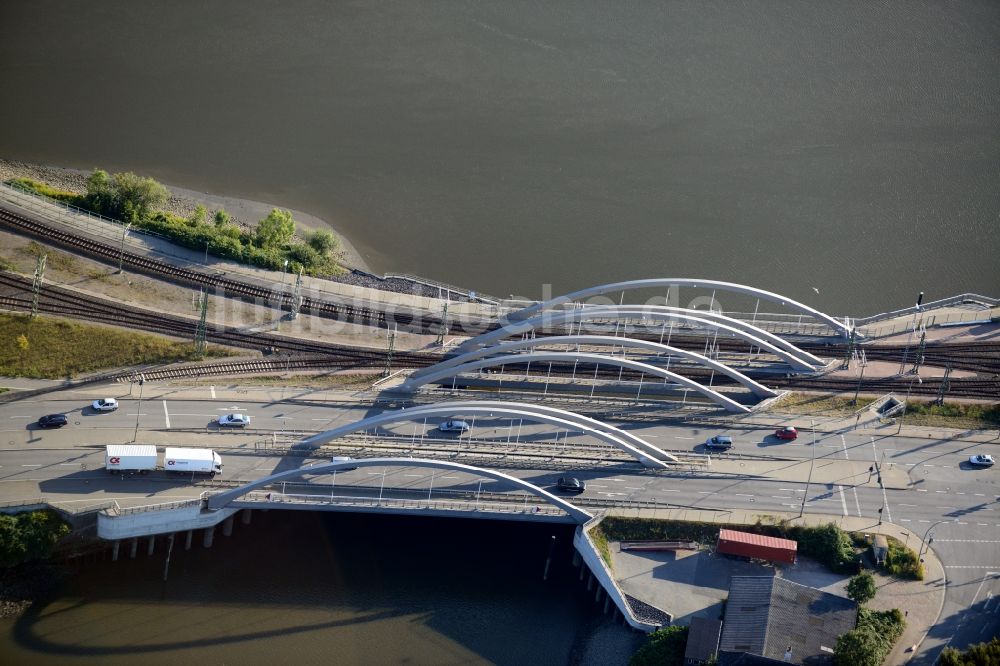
(758, 539)
(703, 639)
(746, 659)
(767, 616)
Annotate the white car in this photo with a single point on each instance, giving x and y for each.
(105, 405)
(454, 426)
(982, 460)
(234, 421)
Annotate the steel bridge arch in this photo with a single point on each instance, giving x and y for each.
(838, 326)
(547, 319)
(729, 404)
(221, 500)
(758, 389)
(644, 452)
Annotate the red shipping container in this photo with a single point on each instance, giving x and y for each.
(757, 546)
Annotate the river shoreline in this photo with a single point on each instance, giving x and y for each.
(245, 212)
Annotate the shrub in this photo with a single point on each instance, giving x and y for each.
(48, 191)
(29, 536)
(903, 562)
(981, 654)
(323, 242)
(664, 647)
(862, 588)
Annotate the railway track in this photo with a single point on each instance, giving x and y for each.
(58, 301)
(408, 319)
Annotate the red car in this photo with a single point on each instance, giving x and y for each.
(788, 432)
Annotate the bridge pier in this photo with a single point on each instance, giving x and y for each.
(134, 548)
(576, 558)
(208, 536)
(583, 570)
(152, 545)
(187, 540)
(597, 597)
(245, 516)
(227, 527)
(114, 550)
(607, 602)
(590, 582)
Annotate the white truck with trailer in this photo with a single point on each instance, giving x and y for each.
(187, 461)
(130, 458)
(142, 458)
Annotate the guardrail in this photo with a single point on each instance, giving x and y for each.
(443, 287)
(986, 301)
(117, 510)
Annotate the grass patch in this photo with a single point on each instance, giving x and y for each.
(54, 258)
(47, 190)
(948, 415)
(48, 348)
(808, 403)
(976, 416)
(600, 541)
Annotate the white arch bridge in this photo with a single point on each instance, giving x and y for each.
(531, 503)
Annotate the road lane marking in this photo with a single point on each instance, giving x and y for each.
(683, 437)
(921, 490)
(22, 417)
(843, 501)
(905, 520)
(706, 492)
(846, 457)
(743, 495)
(857, 502)
(967, 540)
(901, 504)
(30, 465)
(781, 497)
(166, 414)
(212, 388)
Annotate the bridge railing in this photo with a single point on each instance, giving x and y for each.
(523, 505)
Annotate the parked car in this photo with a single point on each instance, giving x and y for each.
(234, 421)
(721, 442)
(105, 405)
(454, 426)
(53, 421)
(788, 432)
(571, 484)
(982, 460)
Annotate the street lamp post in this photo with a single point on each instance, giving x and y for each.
(925, 545)
(121, 254)
(138, 409)
(812, 462)
(906, 403)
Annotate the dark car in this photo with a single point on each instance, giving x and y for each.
(53, 421)
(721, 442)
(571, 485)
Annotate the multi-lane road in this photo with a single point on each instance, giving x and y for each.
(928, 485)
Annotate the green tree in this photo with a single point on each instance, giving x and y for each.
(222, 217)
(29, 536)
(136, 197)
(862, 588)
(664, 647)
(981, 654)
(125, 196)
(275, 230)
(323, 242)
(858, 647)
(100, 192)
(199, 216)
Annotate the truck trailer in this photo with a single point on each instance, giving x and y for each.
(757, 546)
(187, 461)
(129, 458)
